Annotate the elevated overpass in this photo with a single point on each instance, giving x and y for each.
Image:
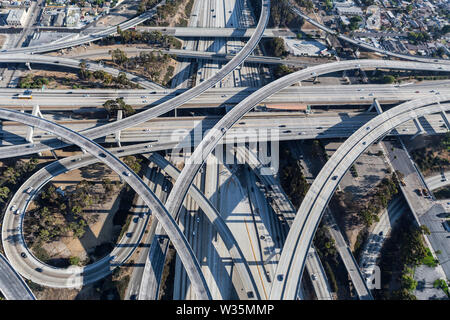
(184, 250)
(165, 106)
(211, 140)
(12, 286)
(299, 238)
(61, 100)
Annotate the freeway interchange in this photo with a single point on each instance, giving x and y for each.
(145, 135)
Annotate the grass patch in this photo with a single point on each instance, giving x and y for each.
(429, 260)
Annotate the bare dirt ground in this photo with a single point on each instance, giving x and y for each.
(102, 231)
(371, 170)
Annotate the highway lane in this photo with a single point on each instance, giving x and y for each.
(299, 238)
(253, 127)
(365, 45)
(211, 32)
(284, 207)
(54, 99)
(438, 181)
(12, 286)
(149, 288)
(211, 140)
(184, 250)
(168, 105)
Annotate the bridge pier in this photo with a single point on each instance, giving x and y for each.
(30, 130)
(419, 126)
(117, 134)
(375, 104)
(446, 120)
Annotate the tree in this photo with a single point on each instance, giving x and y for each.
(74, 261)
(4, 193)
(119, 57)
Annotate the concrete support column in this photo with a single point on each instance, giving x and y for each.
(117, 134)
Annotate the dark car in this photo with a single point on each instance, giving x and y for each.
(38, 269)
(23, 255)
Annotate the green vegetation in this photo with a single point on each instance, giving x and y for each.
(380, 197)
(353, 171)
(133, 162)
(74, 261)
(442, 284)
(105, 78)
(429, 260)
(417, 37)
(354, 22)
(442, 193)
(12, 176)
(402, 252)
(276, 47)
(166, 11)
(112, 106)
(292, 179)
(281, 70)
(150, 64)
(58, 213)
(334, 268)
(434, 157)
(154, 38)
(32, 82)
(281, 15)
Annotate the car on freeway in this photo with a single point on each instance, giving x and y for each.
(127, 173)
(38, 269)
(13, 208)
(29, 190)
(314, 276)
(23, 255)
